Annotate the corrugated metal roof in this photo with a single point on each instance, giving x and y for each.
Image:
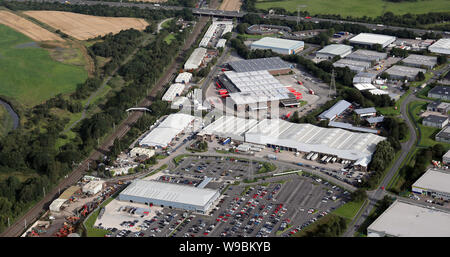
(365, 110)
(335, 49)
(336, 109)
(271, 63)
(280, 43)
(169, 192)
(378, 119)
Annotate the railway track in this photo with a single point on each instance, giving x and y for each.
(35, 212)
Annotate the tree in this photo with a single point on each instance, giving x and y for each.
(441, 59)
(420, 76)
(227, 35)
(384, 75)
(359, 195)
(438, 151)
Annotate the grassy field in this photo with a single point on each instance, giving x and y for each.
(89, 223)
(359, 8)
(348, 210)
(169, 38)
(28, 73)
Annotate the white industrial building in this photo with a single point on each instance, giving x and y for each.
(442, 46)
(228, 127)
(170, 195)
(212, 30)
(366, 55)
(446, 158)
(255, 88)
(173, 91)
(401, 72)
(404, 219)
(56, 205)
(364, 86)
(353, 65)
(92, 187)
(330, 51)
(278, 45)
(221, 43)
(435, 183)
(371, 39)
(196, 59)
(140, 151)
(309, 138)
(184, 77)
(364, 77)
(336, 110)
(166, 131)
(417, 60)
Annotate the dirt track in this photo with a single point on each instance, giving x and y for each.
(230, 5)
(18, 227)
(27, 27)
(82, 26)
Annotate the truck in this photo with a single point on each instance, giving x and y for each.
(299, 164)
(314, 157)
(328, 159)
(324, 158)
(226, 141)
(309, 155)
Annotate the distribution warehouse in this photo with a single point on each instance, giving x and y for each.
(274, 65)
(370, 39)
(435, 183)
(403, 219)
(330, 51)
(442, 46)
(166, 131)
(196, 59)
(278, 45)
(299, 137)
(170, 195)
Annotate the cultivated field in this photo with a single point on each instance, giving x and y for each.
(359, 8)
(27, 27)
(83, 27)
(27, 72)
(230, 5)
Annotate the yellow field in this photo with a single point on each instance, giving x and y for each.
(230, 5)
(27, 27)
(83, 27)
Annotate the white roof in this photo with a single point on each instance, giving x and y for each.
(279, 43)
(364, 86)
(446, 155)
(229, 126)
(441, 46)
(335, 49)
(183, 77)
(169, 192)
(407, 220)
(309, 138)
(370, 38)
(92, 185)
(173, 91)
(56, 204)
(436, 180)
(256, 86)
(378, 92)
(141, 150)
(162, 135)
(195, 59)
(221, 43)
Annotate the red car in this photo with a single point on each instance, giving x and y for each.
(308, 17)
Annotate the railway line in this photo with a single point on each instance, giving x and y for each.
(36, 211)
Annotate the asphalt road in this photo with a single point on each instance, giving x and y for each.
(379, 193)
(34, 213)
(234, 14)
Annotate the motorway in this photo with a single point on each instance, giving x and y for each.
(35, 212)
(379, 193)
(235, 14)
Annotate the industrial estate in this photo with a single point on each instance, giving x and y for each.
(214, 120)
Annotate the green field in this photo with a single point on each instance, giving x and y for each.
(28, 73)
(359, 8)
(169, 38)
(349, 210)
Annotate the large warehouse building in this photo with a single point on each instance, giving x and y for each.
(366, 56)
(353, 65)
(440, 92)
(196, 59)
(255, 89)
(442, 46)
(274, 65)
(417, 60)
(170, 195)
(166, 131)
(403, 219)
(278, 45)
(228, 127)
(173, 91)
(309, 138)
(369, 39)
(435, 183)
(400, 72)
(330, 51)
